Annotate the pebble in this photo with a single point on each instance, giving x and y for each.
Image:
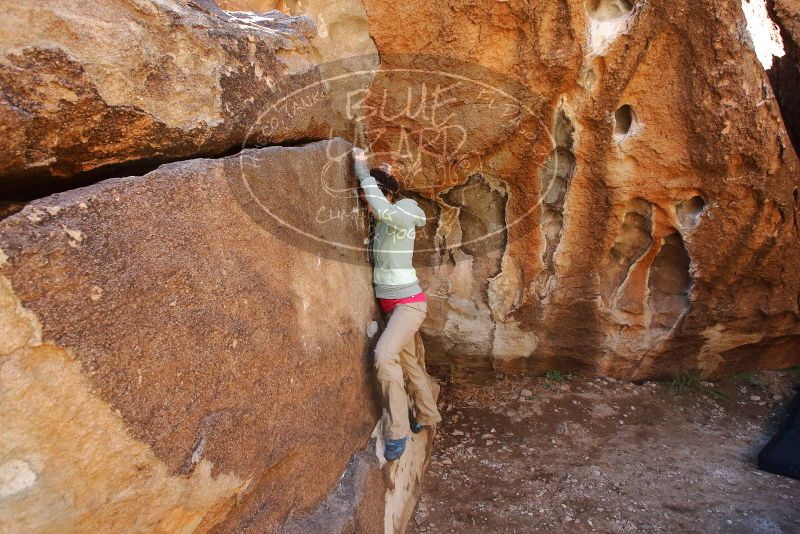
(755, 398)
(457, 433)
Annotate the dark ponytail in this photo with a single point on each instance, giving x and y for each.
(386, 182)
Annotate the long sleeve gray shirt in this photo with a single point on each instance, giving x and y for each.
(394, 275)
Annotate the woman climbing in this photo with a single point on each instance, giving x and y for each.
(401, 298)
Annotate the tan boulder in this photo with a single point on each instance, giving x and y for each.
(176, 358)
(98, 89)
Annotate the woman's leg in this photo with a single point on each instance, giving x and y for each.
(419, 383)
(404, 321)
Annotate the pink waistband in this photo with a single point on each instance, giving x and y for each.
(388, 305)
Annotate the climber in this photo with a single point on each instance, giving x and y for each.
(402, 300)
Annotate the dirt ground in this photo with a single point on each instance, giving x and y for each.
(567, 454)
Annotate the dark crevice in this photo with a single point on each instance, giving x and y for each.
(623, 120)
(688, 212)
(784, 76)
(16, 194)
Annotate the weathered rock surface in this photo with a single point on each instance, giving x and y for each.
(610, 188)
(635, 158)
(341, 46)
(363, 490)
(170, 362)
(342, 28)
(114, 87)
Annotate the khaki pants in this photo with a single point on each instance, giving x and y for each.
(395, 356)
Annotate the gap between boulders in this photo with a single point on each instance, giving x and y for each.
(13, 200)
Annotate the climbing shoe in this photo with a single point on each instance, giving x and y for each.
(416, 428)
(394, 449)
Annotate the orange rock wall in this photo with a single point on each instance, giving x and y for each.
(655, 202)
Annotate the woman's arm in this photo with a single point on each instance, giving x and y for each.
(385, 211)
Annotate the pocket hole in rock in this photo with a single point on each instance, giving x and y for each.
(689, 211)
(669, 284)
(481, 215)
(623, 120)
(589, 78)
(608, 9)
(631, 244)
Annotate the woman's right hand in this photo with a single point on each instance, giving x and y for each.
(359, 154)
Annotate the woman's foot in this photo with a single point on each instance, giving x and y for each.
(416, 427)
(394, 449)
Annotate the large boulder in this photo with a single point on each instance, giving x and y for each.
(176, 357)
(113, 88)
(610, 183)
(593, 207)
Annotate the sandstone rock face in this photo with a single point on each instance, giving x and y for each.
(171, 363)
(631, 174)
(341, 46)
(609, 184)
(114, 87)
(255, 6)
